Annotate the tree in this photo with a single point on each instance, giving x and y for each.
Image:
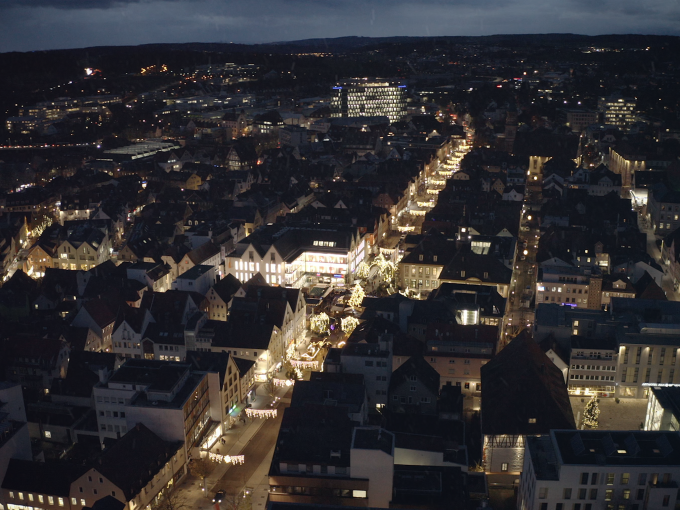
(362, 270)
(200, 468)
(319, 323)
(357, 296)
(171, 500)
(591, 413)
(349, 324)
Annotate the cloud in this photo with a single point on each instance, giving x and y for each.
(49, 24)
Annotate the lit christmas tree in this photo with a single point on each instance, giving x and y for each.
(591, 413)
(319, 323)
(349, 324)
(362, 270)
(357, 296)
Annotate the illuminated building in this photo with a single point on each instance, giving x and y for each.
(592, 469)
(365, 97)
(295, 257)
(617, 111)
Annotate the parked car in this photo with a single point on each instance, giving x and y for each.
(218, 497)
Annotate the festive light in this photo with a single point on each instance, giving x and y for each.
(319, 323)
(357, 296)
(362, 270)
(591, 413)
(261, 413)
(280, 383)
(227, 459)
(349, 324)
(304, 365)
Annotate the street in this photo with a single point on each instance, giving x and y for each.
(255, 440)
(519, 313)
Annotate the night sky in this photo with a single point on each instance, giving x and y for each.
(27, 25)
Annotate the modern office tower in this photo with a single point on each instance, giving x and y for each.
(617, 111)
(369, 97)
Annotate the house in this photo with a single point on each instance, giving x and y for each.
(220, 297)
(209, 254)
(523, 394)
(199, 278)
(341, 390)
(97, 315)
(458, 352)
(414, 387)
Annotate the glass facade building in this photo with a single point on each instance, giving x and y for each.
(365, 97)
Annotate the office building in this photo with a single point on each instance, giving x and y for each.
(366, 97)
(598, 469)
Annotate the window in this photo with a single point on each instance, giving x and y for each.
(608, 494)
(30, 496)
(584, 478)
(50, 500)
(624, 478)
(82, 502)
(74, 501)
(413, 388)
(543, 493)
(40, 498)
(544, 506)
(567, 494)
(642, 478)
(582, 493)
(61, 501)
(666, 500)
(359, 494)
(626, 494)
(21, 496)
(610, 478)
(504, 466)
(369, 363)
(593, 493)
(594, 479)
(640, 494)
(558, 506)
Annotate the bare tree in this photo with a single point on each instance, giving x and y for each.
(172, 500)
(200, 468)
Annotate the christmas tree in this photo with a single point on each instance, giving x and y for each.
(357, 296)
(591, 413)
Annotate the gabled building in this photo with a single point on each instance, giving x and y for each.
(414, 387)
(220, 297)
(523, 394)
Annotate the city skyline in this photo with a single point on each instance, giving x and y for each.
(61, 24)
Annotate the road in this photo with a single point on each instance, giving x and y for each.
(256, 452)
(518, 312)
(255, 440)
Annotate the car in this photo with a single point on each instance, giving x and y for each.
(218, 497)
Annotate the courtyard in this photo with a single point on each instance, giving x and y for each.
(628, 414)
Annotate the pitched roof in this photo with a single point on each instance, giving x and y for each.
(523, 392)
(100, 312)
(416, 365)
(227, 287)
(50, 478)
(133, 461)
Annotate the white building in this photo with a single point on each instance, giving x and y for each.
(295, 257)
(600, 469)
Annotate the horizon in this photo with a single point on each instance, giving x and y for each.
(74, 24)
(335, 38)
